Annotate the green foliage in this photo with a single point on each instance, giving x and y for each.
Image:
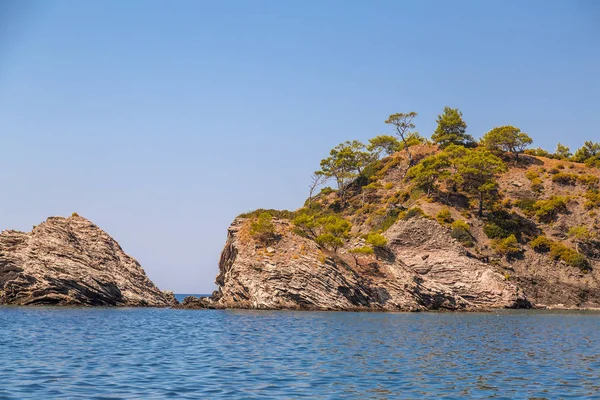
(564, 178)
(494, 231)
(527, 205)
(508, 246)
(390, 219)
(541, 244)
(590, 151)
(507, 138)
(426, 174)
(262, 228)
(326, 190)
(413, 212)
(537, 185)
(412, 139)
(74, 215)
(461, 232)
(532, 174)
(592, 199)
(329, 240)
(346, 161)
(365, 250)
(547, 210)
(476, 173)
(444, 216)
(590, 181)
(306, 223)
(460, 224)
(539, 152)
(562, 152)
(385, 144)
(580, 233)
(451, 129)
(402, 123)
(280, 214)
(376, 240)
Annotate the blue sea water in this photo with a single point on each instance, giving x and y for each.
(102, 353)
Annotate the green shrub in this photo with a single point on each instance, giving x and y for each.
(580, 233)
(329, 240)
(590, 181)
(531, 174)
(537, 185)
(444, 216)
(326, 190)
(74, 215)
(559, 251)
(508, 246)
(461, 232)
(527, 205)
(541, 244)
(413, 212)
(281, 214)
(494, 231)
(460, 224)
(262, 228)
(377, 240)
(365, 250)
(564, 179)
(592, 199)
(554, 171)
(546, 210)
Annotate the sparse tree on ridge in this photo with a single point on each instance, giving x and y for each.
(346, 161)
(451, 129)
(507, 138)
(384, 143)
(317, 179)
(403, 125)
(563, 152)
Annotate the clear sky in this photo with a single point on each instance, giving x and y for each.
(162, 120)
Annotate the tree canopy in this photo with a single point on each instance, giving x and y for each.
(451, 129)
(403, 125)
(507, 138)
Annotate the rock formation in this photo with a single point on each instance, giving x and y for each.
(422, 269)
(70, 261)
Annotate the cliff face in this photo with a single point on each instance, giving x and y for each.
(422, 269)
(70, 261)
(493, 262)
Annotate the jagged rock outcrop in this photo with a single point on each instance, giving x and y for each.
(421, 269)
(71, 261)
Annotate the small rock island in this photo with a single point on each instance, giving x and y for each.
(71, 261)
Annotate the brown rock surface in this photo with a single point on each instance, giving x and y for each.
(70, 261)
(422, 269)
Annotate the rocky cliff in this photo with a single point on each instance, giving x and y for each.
(71, 261)
(422, 269)
(536, 244)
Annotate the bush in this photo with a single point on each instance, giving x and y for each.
(580, 233)
(413, 212)
(559, 251)
(444, 216)
(546, 210)
(262, 228)
(460, 232)
(494, 231)
(564, 179)
(508, 246)
(365, 250)
(531, 174)
(377, 240)
(281, 214)
(74, 215)
(460, 224)
(592, 199)
(590, 181)
(328, 240)
(541, 244)
(527, 205)
(537, 185)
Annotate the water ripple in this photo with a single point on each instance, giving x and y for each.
(103, 353)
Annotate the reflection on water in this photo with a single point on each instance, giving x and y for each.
(159, 353)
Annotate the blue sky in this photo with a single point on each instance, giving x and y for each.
(161, 121)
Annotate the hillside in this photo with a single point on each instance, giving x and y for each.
(448, 224)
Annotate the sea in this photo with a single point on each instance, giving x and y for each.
(146, 353)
